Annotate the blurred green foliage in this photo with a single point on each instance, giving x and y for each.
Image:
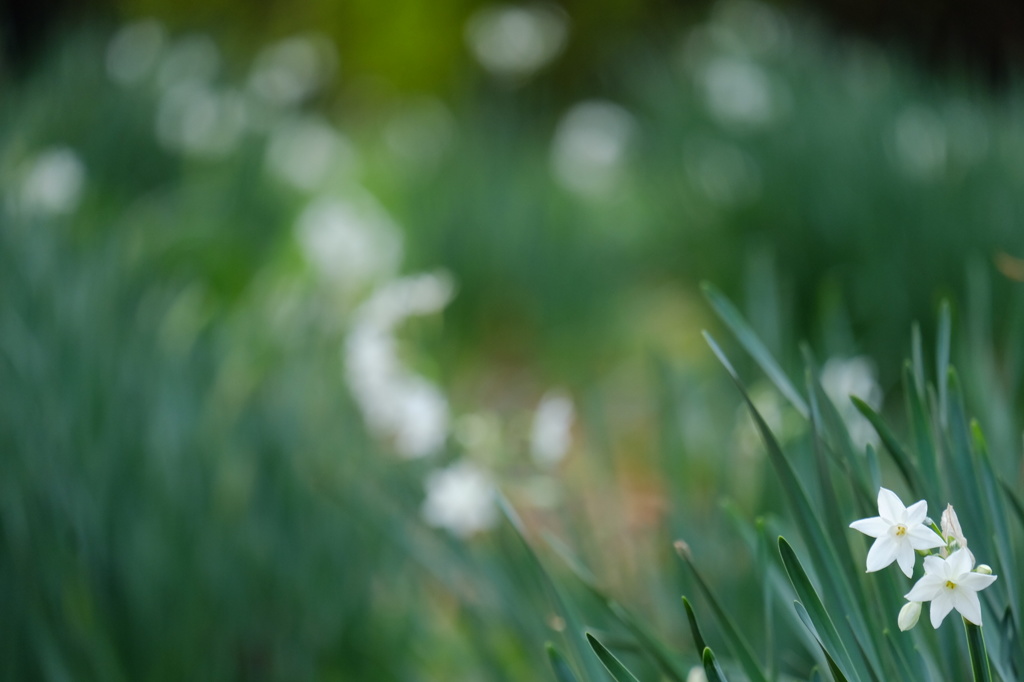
(189, 488)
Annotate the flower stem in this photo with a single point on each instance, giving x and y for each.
(980, 665)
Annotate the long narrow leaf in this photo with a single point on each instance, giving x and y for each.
(711, 668)
(651, 644)
(563, 673)
(698, 638)
(824, 626)
(979, 656)
(738, 644)
(612, 664)
(805, 618)
(806, 516)
(900, 457)
(749, 340)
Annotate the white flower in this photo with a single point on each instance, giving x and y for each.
(949, 584)
(909, 614)
(551, 433)
(899, 531)
(461, 499)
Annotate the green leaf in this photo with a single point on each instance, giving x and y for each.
(698, 638)
(561, 605)
(563, 673)
(902, 460)
(805, 618)
(824, 628)
(921, 430)
(942, 357)
(806, 517)
(649, 642)
(750, 341)
(738, 644)
(711, 668)
(612, 664)
(980, 667)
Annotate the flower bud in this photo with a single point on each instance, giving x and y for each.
(984, 569)
(909, 614)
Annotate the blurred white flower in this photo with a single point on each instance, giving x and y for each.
(306, 152)
(590, 145)
(516, 41)
(406, 297)
(195, 119)
(460, 499)
(52, 182)
(397, 404)
(291, 70)
(845, 377)
(350, 242)
(418, 417)
(696, 674)
(551, 434)
(738, 92)
(134, 50)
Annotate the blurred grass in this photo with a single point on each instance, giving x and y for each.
(189, 489)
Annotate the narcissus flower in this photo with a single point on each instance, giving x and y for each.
(898, 531)
(950, 584)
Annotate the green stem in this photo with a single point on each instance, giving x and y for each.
(979, 654)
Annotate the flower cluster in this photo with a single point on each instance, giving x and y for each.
(951, 580)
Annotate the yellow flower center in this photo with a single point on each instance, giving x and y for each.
(950, 584)
(901, 530)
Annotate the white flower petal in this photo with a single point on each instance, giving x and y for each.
(916, 513)
(905, 558)
(874, 527)
(960, 562)
(926, 589)
(966, 602)
(935, 565)
(976, 581)
(882, 553)
(890, 507)
(941, 605)
(923, 538)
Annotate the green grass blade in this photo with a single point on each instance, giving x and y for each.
(698, 638)
(711, 668)
(824, 627)
(942, 357)
(738, 644)
(651, 644)
(899, 455)
(806, 517)
(980, 667)
(612, 664)
(562, 605)
(921, 429)
(563, 673)
(749, 340)
(805, 618)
